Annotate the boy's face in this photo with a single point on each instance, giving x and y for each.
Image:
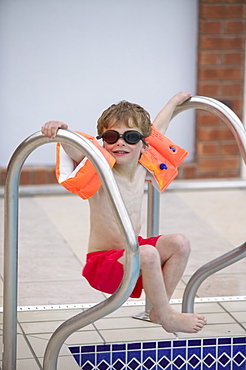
(122, 151)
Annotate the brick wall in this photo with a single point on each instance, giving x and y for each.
(220, 75)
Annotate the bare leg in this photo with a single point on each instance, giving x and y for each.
(155, 290)
(174, 251)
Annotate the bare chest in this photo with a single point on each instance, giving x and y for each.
(102, 217)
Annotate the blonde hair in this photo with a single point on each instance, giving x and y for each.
(130, 114)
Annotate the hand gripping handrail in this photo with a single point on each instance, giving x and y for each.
(11, 248)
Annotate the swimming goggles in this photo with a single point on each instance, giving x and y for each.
(130, 137)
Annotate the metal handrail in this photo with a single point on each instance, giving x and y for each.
(223, 112)
(237, 128)
(11, 248)
(207, 270)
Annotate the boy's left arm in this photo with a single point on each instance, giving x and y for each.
(164, 116)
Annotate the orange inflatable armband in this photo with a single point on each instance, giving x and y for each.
(162, 159)
(83, 179)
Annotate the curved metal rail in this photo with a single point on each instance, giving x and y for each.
(223, 112)
(207, 270)
(11, 248)
(237, 128)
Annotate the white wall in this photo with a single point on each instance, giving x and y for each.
(70, 59)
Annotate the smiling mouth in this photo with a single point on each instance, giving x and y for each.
(120, 152)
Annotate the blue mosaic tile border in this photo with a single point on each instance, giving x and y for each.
(189, 354)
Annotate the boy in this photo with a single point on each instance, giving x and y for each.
(125, 129)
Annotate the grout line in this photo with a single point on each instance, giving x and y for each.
(230, 314)
(100, 335)
(30, 347)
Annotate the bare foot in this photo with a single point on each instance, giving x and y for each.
(173, 321)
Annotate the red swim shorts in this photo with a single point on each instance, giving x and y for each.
(104, 272)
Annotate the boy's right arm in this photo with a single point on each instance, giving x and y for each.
(164, 116)
(49, 129)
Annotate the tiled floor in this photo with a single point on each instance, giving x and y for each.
(53, 235)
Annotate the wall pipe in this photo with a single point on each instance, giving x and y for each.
(11, 247)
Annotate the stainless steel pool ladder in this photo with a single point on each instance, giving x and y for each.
(238, 130)
(125, 226)
(227, 259)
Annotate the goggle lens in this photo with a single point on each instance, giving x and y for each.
(110, 137)
(130, 137)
